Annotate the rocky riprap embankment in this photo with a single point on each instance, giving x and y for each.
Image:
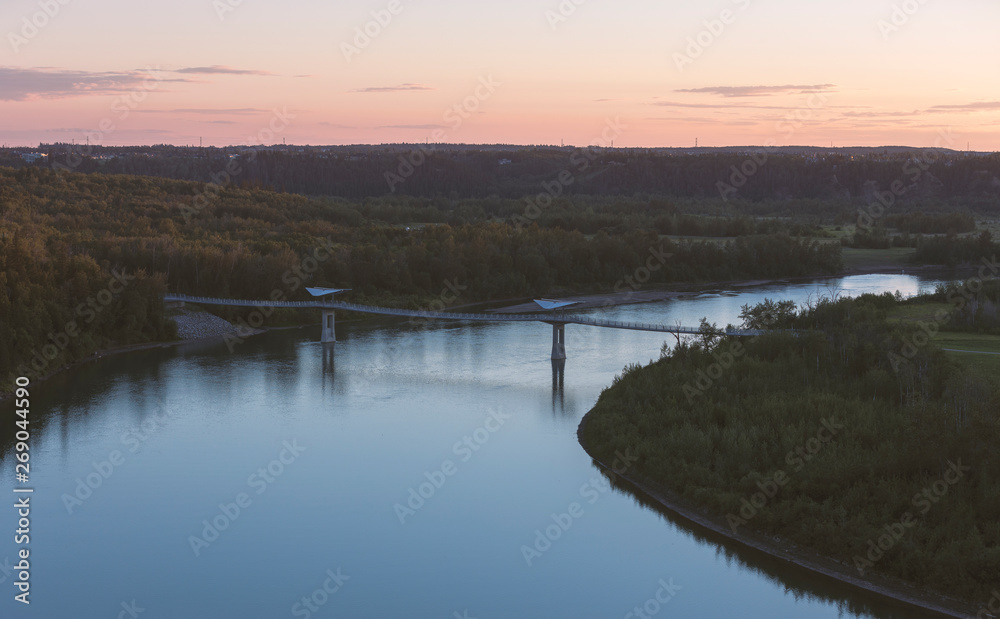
(198, 325)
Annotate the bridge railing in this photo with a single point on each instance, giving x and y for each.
(556, 318)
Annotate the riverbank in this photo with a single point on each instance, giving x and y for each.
(783, 550)
(203, 330)
(821, 441)
(192, 327)
(687, 289)
(198, 325)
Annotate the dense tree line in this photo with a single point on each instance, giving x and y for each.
(99, 251)
(908, 229)
(951, 250)
(975, 303)
(909, 177)
(931, 223)
(829, 439)
(58, 305)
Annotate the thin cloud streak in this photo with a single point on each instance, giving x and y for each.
(980, 106)
(758, 91)
(209, 111)
(421, 127)
(744, 106)
(401, 88)
(221, 70)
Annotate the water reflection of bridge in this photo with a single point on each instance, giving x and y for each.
(557, 317)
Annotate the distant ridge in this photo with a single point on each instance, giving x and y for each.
(408, 146)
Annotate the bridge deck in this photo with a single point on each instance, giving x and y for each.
(555, 317)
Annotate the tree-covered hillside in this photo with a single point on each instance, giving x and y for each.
(84, 258)
(852, 437)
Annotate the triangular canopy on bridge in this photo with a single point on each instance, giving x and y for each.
(553, 304)
(322, 292)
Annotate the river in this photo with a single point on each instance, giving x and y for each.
(302, 466)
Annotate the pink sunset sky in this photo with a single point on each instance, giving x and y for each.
(724, 72)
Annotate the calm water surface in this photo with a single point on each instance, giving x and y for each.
(325, 453)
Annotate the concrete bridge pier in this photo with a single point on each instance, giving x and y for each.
(558, 381)
(558, 341)
(329, 333)
(329, 355)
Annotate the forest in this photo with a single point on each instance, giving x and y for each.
(85, 258)
(91, 253)
(827, 434)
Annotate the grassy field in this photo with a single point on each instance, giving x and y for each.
(917, 311)
(984, 365)
(838, 232)
(968, 341)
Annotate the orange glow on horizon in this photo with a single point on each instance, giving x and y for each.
(741, 73)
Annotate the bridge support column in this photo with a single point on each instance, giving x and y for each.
(329, 356)
(558, 341)
(329, 333)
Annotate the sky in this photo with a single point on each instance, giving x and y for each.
(579, 72)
